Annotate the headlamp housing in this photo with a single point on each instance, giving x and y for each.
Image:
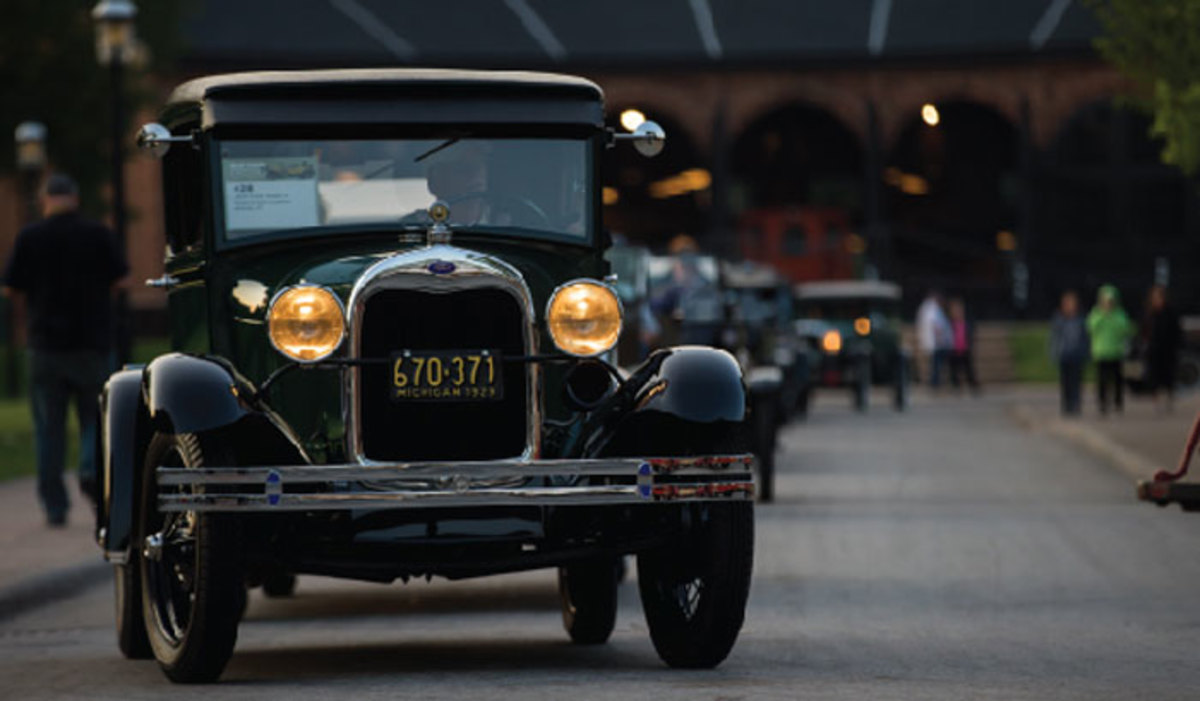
(584, 318)
(306, 322)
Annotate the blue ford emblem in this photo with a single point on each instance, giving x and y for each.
(441, 267)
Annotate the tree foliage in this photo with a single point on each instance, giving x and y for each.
(49, 74)
(1156, 43)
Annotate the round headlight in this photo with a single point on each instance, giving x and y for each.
(306, 323)
(832, 341)
(584, 318)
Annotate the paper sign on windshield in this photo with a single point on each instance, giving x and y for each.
(270, 193)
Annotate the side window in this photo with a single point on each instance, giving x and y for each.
(183, 196)
(795, 241)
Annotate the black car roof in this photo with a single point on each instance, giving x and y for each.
(391, 95)
(379, 79)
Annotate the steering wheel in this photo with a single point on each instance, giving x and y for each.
(522, 210)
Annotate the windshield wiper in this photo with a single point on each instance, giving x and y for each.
(444, 145)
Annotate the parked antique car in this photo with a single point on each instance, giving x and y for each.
(853, 325)
(689, 292)
(763, 311)
(775, 360)
(391, 357)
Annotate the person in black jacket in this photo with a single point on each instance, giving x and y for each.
(1070, 347)
(962, 350)
(1161, 337)
(61, 276)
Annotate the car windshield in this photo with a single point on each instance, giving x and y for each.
(538, 186)
(844, 308)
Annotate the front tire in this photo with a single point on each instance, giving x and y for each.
(900, 378)
(862, 384)
(588, 592)
(766, 429)
(694, 591)
(279, 584)
(131, 625)
(191, 570)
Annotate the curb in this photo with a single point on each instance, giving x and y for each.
(50, 587)
(1129, 462)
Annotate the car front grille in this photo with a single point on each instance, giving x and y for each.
(474, 319)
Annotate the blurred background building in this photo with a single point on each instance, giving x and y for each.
(970, 146)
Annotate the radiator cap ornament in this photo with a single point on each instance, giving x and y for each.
(439, 232)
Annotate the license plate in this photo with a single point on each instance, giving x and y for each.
(446, 376)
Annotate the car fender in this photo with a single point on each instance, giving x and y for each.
(680, 401)
(764, 379)
(195, 394)
(123, 438)
(191, 394)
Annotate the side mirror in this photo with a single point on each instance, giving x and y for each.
(648, 139)
(158, 139)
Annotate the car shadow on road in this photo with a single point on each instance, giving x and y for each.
(316, 599)
(474, 659)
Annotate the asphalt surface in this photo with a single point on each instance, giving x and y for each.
(946, 553)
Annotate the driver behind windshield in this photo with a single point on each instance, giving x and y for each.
(459, 176)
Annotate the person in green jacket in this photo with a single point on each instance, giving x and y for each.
(1110, 329)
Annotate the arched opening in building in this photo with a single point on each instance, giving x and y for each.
(1111, 212)
(796, 193)
(952, 196)
(650, 200)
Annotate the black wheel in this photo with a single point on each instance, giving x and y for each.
(766, 428)
(588, 591)
(193, 591)
(1187, 373)
(900, 378)
(862, 395)
(279, 584)
(694, 592)
(802, 402)
(131, 625)
(862, 384)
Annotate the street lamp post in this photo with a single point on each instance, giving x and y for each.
(30, 140)
(115, 44)
(31, 161)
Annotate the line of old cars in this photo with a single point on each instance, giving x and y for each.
(790, 340)
(397, 352)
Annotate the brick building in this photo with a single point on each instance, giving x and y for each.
(1022, 180)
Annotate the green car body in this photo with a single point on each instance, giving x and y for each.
(853, 333)
(278, 437)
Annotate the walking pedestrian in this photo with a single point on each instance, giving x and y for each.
(1161, 336)
(934, 337)
(1069, 348)
(1110, 330)
(690, 298)
(962, 355)
(61, 277)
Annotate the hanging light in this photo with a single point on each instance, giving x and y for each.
(930, 115)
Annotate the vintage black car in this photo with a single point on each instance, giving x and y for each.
(775, 360)
(853, 327)
(763, 310)
(392, 342)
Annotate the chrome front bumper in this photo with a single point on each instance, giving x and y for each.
(606, 481)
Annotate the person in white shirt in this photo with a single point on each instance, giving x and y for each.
(934, 336)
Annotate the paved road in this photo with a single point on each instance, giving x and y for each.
(941, 554)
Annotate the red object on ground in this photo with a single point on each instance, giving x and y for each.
(1186, 459)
